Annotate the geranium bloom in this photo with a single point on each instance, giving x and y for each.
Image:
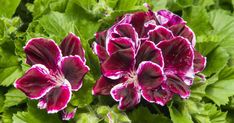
(55, 71)
(147, 54)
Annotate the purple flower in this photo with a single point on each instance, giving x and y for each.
(147, 54)
(67, 115)
(55, 71)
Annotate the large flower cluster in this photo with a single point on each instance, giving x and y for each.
(148, 54)
(55, 72)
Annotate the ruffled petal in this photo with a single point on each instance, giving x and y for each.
(149, 52)
(58, 98)
(36, 82)
(184, 31)
(101, 38)
(42, 51)
(199, 62)
(177, 86)
(71, 45)
(116, 44)
(118, 64)
(104, 85)
(160, 33)
(139, 19)
(100, 51)
(126, 94)
(159, 96)
(178, 56)
(150, 75)
(167, 18)
(74, 69)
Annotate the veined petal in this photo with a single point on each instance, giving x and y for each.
(178, 55)
(126, 30)
(177, 86)
(74, 69)
(58, 98)
(36, 82)
(199, 62)
(150, 75)
(71, 45)
(159, 96)
(160, 33)
(118, 64)
(100, 51)
(149, 52)
(42, 51)
(126, 94)
(101, 38)
(184, 31)
(116, 44)
(167, 18)
(104, 85)
(139, 19)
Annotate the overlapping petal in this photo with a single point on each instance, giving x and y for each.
(160, 33)
(36, 82)
(71, 45)
(42, 51)
(58, 98)
(116, 44)
(199, 62)
(159, 96)
(127, 95)
(149, 52)
(74, 69)
(118, 64)
(150, 75)
(178, 55)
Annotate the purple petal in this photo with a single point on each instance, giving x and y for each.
(149, 52)
(58, 98)
(104, 85)
(118, 64)
(126, 94)
(101, 38)
(71, 45)
(116, 44)
(177, 86)
(199, 62)
(140, 19)
(150, 75)
(178, 55)
(66, 115)
(160, 33)
(42, 104)
(74, 69)
(36, 82)
(159, 96)
(42, 51)
(167, 18)
(100, 51)
(184, 31)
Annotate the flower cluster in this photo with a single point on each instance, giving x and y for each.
(148, 54)
(55, 71)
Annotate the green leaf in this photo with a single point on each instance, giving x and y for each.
(8, 8)
(143, 115)
(52, 24)
(117, 116)
(197, 18)
(87, 118)
(216, 61)
(223, 23)
(2, 98)
(180, 115)
(14, 97)
(206, 44)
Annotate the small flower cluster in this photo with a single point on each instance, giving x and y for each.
(148, 54)
(56, 71)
